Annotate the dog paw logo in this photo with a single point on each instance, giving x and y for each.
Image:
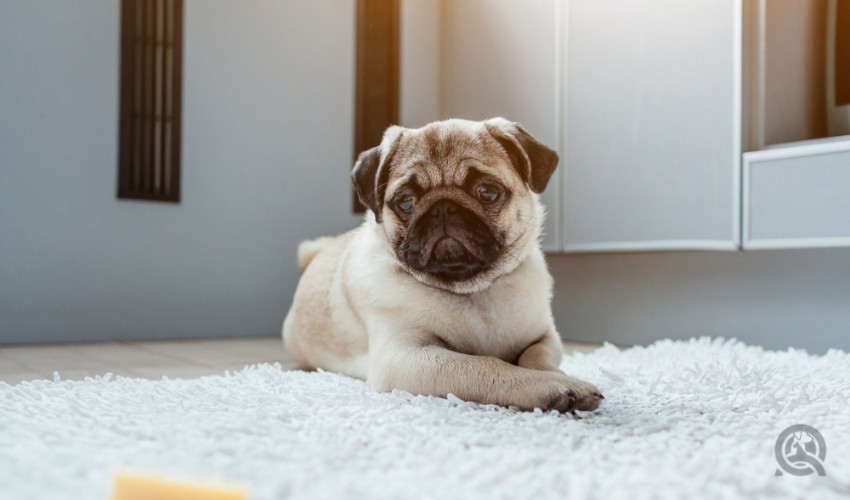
(800, 451)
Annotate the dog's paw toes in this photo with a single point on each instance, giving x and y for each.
(589, 401)
(588, 396)
(563, 402)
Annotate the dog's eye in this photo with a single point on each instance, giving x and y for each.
(487, 193)
(406, 202)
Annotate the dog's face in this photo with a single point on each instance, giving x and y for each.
(457, 200)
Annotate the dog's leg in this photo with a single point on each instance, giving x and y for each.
(437, 371)
(546, 354)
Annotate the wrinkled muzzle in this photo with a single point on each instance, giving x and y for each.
(450, 242)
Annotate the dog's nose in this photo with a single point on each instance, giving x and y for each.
(443, 210)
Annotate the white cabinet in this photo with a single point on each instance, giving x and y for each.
(652, 111)
(643, 100)
(796, 194)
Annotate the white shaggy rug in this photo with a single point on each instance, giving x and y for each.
(694, 419)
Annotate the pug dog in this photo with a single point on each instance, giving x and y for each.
(444, 287)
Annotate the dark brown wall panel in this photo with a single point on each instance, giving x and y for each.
(377, 74)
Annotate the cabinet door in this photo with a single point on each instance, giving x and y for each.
(798, 196)
(652, 125)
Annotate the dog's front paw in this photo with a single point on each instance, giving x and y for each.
(567, 394)
(587, 395)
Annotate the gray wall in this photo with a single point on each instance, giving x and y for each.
(772, 298)
(267, 144)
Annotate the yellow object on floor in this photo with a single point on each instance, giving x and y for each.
(128, 487)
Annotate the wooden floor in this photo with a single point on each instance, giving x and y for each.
(174, 359)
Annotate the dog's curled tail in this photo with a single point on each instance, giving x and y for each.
(308, 249)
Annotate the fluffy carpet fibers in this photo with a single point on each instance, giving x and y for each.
(695, 419)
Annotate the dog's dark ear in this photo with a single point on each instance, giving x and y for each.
(534, 162)
(371, 171)
(365, 176)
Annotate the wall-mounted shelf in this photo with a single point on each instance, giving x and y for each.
(797, 196)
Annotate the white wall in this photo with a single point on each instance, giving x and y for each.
(267, 146)
(496, 60)
(420, 62)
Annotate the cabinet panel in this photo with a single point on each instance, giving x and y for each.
(652, 125)
(797, 197)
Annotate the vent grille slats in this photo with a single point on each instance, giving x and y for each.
(151, 58)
